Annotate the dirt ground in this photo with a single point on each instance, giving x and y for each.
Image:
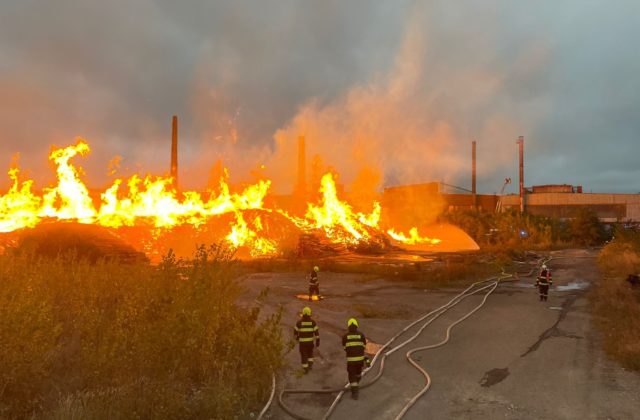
(516, 358)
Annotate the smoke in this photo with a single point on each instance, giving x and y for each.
(415, 123)
(394, 88)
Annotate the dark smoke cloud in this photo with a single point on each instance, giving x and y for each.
(243, 74)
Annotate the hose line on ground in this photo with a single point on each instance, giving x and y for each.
(433, 346)
(273, 393)
(494, 282)
(435, 313)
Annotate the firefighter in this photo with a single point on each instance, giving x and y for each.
(543, 282)
(354, 343)
(306, 332)
(314, 284)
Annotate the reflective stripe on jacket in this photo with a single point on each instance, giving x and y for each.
(306, 330)
(544, 279)
(354, 343)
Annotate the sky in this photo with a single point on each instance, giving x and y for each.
(396, 89)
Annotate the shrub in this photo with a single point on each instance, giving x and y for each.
(586, 229)
(107, 340)
(512, 230)
(616, 304)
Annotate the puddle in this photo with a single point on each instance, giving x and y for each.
(574, 285)
(523, 285)
(494, 376)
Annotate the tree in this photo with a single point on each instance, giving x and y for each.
(586, 229)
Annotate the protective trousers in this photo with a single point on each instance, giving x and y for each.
(306, 355)
(314, 289)
(355, 373)
(543, 289)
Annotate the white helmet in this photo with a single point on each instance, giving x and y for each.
(544, 266)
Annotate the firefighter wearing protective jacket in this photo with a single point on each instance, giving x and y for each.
(543, 282)
(314, 284)
(306, 332)
(354, 344)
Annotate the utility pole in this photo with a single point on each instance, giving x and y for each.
(521, 154)
(473, 174)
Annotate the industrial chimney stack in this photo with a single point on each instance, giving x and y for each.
(521, 154)
(473, 174)
(301, 187)
(174, 151)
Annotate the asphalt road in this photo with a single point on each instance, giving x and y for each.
(516, 358)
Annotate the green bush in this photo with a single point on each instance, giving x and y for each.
(107, 340)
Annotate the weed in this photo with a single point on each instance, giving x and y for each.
(109, 340)
(616, 304)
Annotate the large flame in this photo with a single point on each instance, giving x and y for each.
(153, 201)
(413, 239)
(70, 198)
(337, 218)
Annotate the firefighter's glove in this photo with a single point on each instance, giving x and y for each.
(367, 362)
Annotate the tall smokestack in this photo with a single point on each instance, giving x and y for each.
(174, 151)
(473, 174)
(302, 172)
(521, 154)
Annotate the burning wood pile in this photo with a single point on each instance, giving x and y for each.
(148, 213)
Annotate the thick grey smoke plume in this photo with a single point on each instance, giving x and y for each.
(399, 88)
(415, 123)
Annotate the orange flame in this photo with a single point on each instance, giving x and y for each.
(70, 198)
(153, 201)
(337, 218)
(413, 239)
(19, 207)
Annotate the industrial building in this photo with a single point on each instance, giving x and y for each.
(544, 200)
(558, 200)
(608, 207)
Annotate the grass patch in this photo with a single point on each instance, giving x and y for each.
(108, 340)
(372, 311)
(616, 305)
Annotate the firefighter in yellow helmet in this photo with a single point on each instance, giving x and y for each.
(354, 344)
(306, 332)
(314, 284)
(544, 281)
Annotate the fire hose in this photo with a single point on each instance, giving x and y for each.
(446, 339)
(435, 313)
(493, 284)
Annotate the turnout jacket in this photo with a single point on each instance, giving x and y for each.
(313, 278)
(544, 278)
(354, 343)
(306, 331)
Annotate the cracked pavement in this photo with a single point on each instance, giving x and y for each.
(516, 358)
